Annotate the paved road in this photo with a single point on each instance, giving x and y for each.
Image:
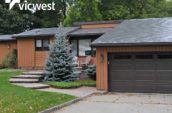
(123, 103)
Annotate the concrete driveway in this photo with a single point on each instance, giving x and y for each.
(123, 103)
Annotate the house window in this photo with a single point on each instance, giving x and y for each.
(46, 44)
(42, 44)
(84, 47)
(74, 47)
(81, 47)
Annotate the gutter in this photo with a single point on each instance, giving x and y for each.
(130, 44)
(41, 35)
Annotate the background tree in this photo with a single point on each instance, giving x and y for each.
(50, 18)
(127, 9)
(60, 65)
(13, 21)
(83, 10)
(16, 21)
(169, 8)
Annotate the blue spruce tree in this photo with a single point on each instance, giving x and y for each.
(60, 65)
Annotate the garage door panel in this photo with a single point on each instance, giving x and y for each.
(144, 87)
(144, 65)
(141, 73)
(121, 66)
(144, 75)
(163, 83)
(122, 86)
(144, 81)
(121, 82)
(122, 75)
(164, 88)
(126, 86)
(164, 75)
(164, 64)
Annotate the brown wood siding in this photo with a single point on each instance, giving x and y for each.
(101, 57)
(102, 66)
(98, 26)
(6, 48)
(28, 58)
(40, 59)
(41, 56)
(26, 53)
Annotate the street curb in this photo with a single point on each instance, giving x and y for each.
(58, 107)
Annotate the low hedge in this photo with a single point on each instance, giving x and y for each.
(70, 85)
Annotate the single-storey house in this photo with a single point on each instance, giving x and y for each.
(131, 55)
(136, 56)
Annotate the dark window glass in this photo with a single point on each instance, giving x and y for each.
(164, 56)
(144, 56)
(42, 44)
(122, 57)
(46, 44)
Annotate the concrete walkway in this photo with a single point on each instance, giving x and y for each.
(78, 92)
(32, 85)
(31, 80)
(122, 103)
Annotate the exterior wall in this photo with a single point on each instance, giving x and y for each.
(28, 58)
(98, 26)
(40, 59)
(6, 48)
(26, 53)
(41, 56)
(102, 60)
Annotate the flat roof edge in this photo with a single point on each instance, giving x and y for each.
(97, 22)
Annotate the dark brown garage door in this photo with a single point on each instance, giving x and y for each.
(140, 72)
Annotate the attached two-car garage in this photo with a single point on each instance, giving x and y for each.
(136, 57)
(140, 72)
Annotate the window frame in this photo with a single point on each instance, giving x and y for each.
(42, 43)
(84, 51)
(77, 40)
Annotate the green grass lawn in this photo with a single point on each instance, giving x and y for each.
(14, 99)
(76, 84)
